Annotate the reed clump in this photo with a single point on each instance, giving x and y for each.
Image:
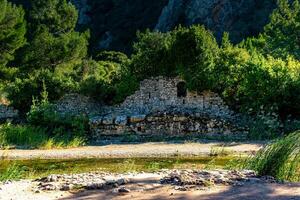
(281, 159)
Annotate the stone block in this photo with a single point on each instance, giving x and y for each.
(180, 118)
(121, 120)
(108, 120)
(96, 120)
(137, 118)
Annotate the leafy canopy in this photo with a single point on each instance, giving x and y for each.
(54, 41)
(12, 31)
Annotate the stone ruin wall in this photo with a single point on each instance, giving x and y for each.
(159, 93)
(7, 113)
(76, 104)
(156, 109)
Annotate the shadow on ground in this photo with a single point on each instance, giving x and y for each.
(246, 192)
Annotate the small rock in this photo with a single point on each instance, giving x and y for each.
(94, 186)
(49, 187)
(123, 190)
(67, 187)
(52, 178)
(254, 180)
(238, 184)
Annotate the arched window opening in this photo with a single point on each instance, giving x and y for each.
(181, 89)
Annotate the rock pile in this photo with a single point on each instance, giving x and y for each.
(181, 179)
(208, 178)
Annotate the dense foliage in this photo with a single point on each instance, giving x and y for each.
(259, 76)
(282, 33)
(12, 32)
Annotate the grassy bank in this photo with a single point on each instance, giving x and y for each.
(29, 137)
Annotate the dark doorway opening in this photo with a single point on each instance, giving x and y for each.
(181, 89)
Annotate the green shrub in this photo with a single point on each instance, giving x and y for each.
(22, 89)
(112, 56)
(151, 55)
(248, 81)
(28, 136)
(124, 87)
(194, 52)
(291, 125)
(166, 54)
(61, 129)
(280, 159)
(12, 172)
(44, 115)
(265, 126)
(22, 135)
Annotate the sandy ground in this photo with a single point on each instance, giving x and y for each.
(153, 191)
(134, 150)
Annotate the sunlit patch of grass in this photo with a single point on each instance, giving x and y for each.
(219, 151)
(26, 136)
(54, 143)
(128, 165)
(12, 172)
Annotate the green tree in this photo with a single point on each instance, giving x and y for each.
(112, 56)
(54, 40)
(58, 16)
(49, 51)
(12, 31)
(229, 69)
(282, 34)
(194, 52)
(151, 55)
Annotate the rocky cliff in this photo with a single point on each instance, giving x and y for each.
(114, 23)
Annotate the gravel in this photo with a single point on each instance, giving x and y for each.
(100, 180)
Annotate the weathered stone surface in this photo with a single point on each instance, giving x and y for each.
(121, 120)
(108, 120)
(158, 108)
(137, 118)
(114, 23)
(77, 104)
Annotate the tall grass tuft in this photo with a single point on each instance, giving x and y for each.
(28, 136)
(13, 172)
(21, 135)
(280, 159)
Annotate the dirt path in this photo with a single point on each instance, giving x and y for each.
(135, 150)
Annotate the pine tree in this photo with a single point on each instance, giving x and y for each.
(53, 39)
(12, 31)
(282, 34)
